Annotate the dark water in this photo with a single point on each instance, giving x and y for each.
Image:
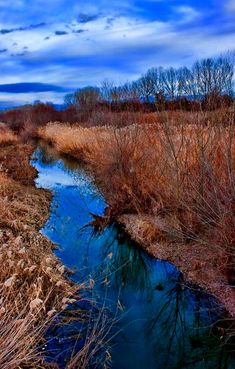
(154, 320)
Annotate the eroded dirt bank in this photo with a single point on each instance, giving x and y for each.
(198, 262)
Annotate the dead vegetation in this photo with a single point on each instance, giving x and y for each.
(6, 136)
(32, 284)
(171, 181)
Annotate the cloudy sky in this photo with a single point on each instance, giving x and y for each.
(66, 44)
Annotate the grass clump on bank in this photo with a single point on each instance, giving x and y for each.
(6, 136)
(172, 183)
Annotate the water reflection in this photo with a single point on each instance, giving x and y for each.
(161, 323)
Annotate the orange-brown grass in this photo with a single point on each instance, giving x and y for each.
(32, 282)
(6, 136)
(172, 184)
(126, 118)
(119, 119)
(74, 140)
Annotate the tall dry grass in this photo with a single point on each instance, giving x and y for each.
(32, 282)
(6, 135)
(177, 174)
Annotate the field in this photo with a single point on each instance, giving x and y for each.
(168, 178)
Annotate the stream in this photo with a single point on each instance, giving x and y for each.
(148, 318)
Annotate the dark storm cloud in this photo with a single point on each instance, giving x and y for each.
(19, 88)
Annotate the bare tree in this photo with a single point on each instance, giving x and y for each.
(186, 85)
(87, 98)
(129, 92)
(70, 100)
(106, 90)
(170, 80)
(145, 87)
(214, 76)
(116, 94)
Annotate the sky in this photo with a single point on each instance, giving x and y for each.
(50, 47)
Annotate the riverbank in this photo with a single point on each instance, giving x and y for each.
(33, 287)
(138, 293)
(172, 188)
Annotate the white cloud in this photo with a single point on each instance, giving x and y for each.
(27, 98)
(187, 13)
(121, 52)
(230, 5)
(11, 3)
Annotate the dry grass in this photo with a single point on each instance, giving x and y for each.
(176, 177)
(127, 118)
(6, 136)
(74, 140)
(32, 282)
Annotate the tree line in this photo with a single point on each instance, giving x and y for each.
(207, 77)
(207, 85)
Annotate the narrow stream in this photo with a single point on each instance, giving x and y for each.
(157, 321)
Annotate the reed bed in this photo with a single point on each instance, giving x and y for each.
(172, 183)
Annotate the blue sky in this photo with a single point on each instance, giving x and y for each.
(71, 43)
